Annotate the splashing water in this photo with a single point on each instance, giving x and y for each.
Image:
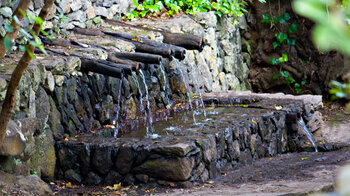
(116, 129)
(177, 64)
(162, 70)
(308, 134)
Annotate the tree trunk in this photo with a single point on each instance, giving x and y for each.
(23, 5)
(10, 98)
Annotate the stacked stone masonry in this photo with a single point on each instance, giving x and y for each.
(56, 100)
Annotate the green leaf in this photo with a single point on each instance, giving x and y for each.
(274, 61)
(296, 85)
(291, 41)
(22, 48)
(9, 28)
(276, 44)
(266, 18)
(8, 43)
(30, 53)
(281, 20)
(218, 13)
(281, 37)
(284, 57)
(286, 16)
(293, 28)
(285, 74)
(276, 76)
(303, 82)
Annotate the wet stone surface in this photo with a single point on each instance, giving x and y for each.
(182, 151)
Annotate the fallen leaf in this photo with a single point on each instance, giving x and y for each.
(254, 121)
(68, 184)
(115, 187)
(278, 107)
(304, 158)
(65, 139)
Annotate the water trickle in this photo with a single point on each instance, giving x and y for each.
(195, 75)
(134, 77)
(162, 70)
(116, 129)
(308, 134)
(149, 115)
(179, 67)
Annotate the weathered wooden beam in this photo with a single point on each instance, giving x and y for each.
(91, 65)
(190, 42)
(140, 57)
(134, 64)
(143, 46)
(177, 51)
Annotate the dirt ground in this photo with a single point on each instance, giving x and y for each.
(288, 174)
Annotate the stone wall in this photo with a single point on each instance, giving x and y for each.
(219, 67)
(57, 100)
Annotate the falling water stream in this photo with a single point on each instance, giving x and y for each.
(179, 67)
(195, 76)
(162, 70)
(308, 134)
(150, 120)
(116, 129)
(134, 77)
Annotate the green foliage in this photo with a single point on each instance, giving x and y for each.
(332, 19)
(28, 35)
(339, 90)
(221, 7)
(331, 32)
(283, 58)
(290, 81)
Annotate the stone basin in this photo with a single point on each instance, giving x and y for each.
(251, 126)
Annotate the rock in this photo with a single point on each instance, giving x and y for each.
(28, 185)
(72, 176)
(129, 180)
(227, 47)
(47, 25)
(85, 4)
(28, 126)
(233, 150)
(64, 6)
(124, 159)
(208, 19)
(49, 81)
(131, 108)
(93, 179)
(43, 109)
(38, 4)
(179, 149)
(102, 11)
(245, 157)
(112, 177)
(90, 13)
(6, 11)
(142, 178)
(102, 159)
(43, 159)
(15, 142)
(77, 16)
(75, 5)
(59, 80)
(316, 122)
(208, 147)
(3, 86)
(172, 169)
